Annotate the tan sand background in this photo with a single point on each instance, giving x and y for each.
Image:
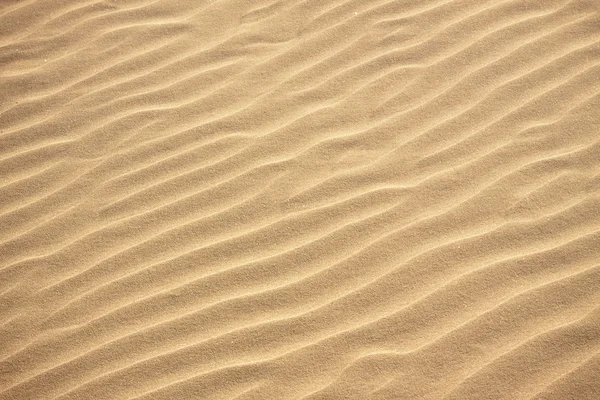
(299, 199)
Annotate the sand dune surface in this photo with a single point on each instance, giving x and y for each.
(300, 199)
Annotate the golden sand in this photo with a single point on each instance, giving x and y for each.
(299, 199)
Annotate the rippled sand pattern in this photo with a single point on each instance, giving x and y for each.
(300, 199)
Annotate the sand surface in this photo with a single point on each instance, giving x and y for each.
(299, 199)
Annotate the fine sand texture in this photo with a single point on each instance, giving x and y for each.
(299, 199)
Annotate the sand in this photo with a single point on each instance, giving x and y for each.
(300, 199)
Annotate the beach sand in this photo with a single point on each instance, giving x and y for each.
(299, 199)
